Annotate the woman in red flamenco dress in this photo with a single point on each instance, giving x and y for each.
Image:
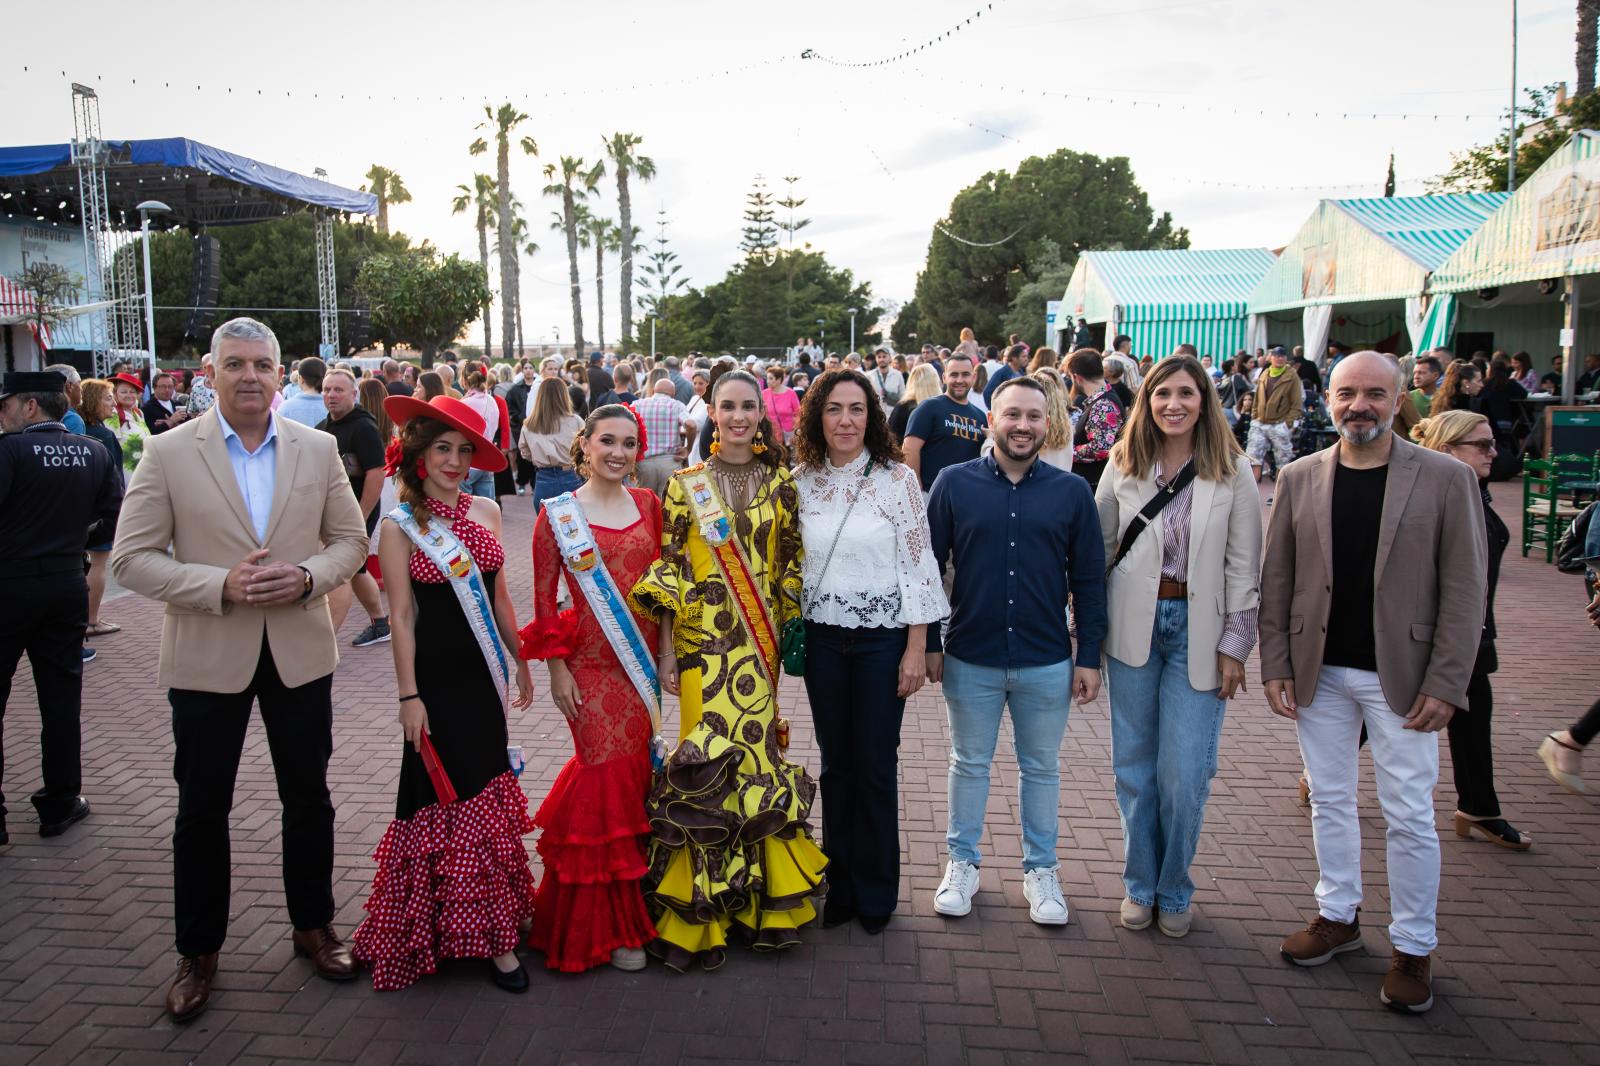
(453, 878)
(590, 909)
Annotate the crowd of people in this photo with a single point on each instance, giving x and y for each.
(1019, 526)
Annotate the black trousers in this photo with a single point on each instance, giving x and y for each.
(209, 729)
(44, 616)
(851, 680)
(1584, 729)
(1471, 751)
(525, 471)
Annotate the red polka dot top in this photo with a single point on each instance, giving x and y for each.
(483, 545)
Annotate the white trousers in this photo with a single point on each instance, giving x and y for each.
(1407, 768)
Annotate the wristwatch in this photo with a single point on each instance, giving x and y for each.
(305, 593)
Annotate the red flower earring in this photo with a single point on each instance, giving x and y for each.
(422, 469)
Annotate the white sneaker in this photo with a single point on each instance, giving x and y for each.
(960, 884)
(1046, 905)
(630, 959)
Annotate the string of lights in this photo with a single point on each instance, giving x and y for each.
(812, 53)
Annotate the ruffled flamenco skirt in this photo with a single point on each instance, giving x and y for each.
(731, 851)
(453, 882)
(589, 902)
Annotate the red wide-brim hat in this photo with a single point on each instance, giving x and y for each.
(455, 414)
(128, 379)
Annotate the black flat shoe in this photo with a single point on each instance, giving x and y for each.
(79, 811)
(515, 981)
(874, 923)
(5, 837)
(836, 914)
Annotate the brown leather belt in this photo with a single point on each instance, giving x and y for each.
(1172, 590)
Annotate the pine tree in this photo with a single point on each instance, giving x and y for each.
(660, 271)
(1388, 183)
(760, 240)
(792, 203)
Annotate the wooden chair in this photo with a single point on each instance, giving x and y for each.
(1544, 513)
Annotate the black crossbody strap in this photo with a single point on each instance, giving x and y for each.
(1150, 510)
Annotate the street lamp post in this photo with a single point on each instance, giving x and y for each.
(852, 329)
(822, 336)
(146, 209)
(652, 340)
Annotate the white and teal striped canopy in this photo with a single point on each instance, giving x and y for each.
(1166, 298)
(1381, 248)
(1549, 228)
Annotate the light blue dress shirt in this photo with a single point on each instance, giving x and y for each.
(306, 408)
(256, 472)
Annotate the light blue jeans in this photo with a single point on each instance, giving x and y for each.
(1164, 737)
(479, 483)
(977, 696)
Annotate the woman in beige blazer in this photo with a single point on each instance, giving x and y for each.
(1182, 605)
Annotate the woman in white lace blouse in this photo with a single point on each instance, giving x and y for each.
(871, 589)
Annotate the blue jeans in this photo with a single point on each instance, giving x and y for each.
(551, 481)
(977, 696)
(1164, 752)
(479, 483)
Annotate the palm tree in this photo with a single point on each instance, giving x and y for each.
(522, 246)
(601, 234)
(481, 196)
(503, 121)
(1586, 46)
(386, 185)
(620, 148)
(574, 186)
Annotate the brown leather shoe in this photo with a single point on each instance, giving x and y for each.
(1408, 985)
(1321, 940)
(323, 947)
(191, 991)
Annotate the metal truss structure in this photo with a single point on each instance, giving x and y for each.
(327, 281)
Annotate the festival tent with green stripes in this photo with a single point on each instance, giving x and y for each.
(1162, 299)
(1507, 281)
(1358, 270)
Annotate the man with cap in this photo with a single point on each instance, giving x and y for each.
(242, 522)
(600, 381)
(59, 492)
(1280, 400)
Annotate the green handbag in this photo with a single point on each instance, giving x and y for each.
(792, 641)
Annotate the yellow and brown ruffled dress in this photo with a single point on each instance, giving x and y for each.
(730, 845)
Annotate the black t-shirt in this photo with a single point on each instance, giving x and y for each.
(1357, 515)
(360, 446)
(600, 381)
(951, 433)
(899, 417)
(399, 388)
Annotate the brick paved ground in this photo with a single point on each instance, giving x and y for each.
(85, 944)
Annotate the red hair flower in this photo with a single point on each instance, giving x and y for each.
(644, 439)
(391, 457)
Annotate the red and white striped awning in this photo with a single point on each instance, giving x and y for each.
(17, 305)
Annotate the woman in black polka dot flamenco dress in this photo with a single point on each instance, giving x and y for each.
(453, 878)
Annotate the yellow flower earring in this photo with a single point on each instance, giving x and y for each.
(760, 444)
(716, 441)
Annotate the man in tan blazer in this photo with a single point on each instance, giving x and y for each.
(1373, 513)
(242, 523)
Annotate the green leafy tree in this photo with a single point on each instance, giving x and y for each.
(386, 185)
(503, 122)
(904, 331)
(571, 184)
(264, 267)
(480, 197)
(421, 299)
(979, 254)
(1050, 277)
(1543, 127)
(625, 164)
(1584, 39)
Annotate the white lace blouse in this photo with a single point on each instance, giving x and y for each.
(883, 572)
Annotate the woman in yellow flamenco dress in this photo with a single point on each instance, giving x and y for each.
(730, 845)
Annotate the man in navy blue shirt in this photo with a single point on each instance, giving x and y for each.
(1016, 358)
(1023, 535)
(947, 429)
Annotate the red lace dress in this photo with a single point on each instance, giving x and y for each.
(453, 880)
(593, 821)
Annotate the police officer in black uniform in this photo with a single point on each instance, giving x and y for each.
(59, 493)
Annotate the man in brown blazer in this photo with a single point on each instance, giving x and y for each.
(1373, 513)
(242, 523)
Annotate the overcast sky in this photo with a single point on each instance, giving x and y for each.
(718, 92)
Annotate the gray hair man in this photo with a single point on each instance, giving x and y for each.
(1373, 585)
(242, 522)
(72, 419)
